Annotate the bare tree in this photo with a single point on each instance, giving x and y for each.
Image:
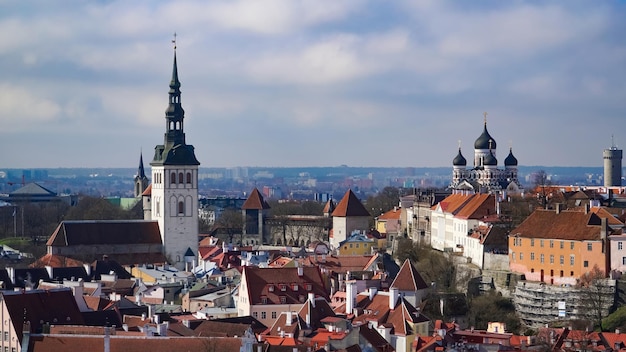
(230, 223)
(596, 296)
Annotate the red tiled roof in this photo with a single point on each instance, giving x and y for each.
(64, 343)
(350, 205)
(39, 307)
(255, 201)
(147, 191)
(266, 282)
(55, 261)
(477, 206)
(341, 264)
(408, 279)
(566, 225)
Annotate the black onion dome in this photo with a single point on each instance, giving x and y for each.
(485, 141)
(490, 159)
(510, 159)
(459, 160)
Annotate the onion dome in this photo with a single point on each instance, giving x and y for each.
(510, 159)
(490, 160)
(485, 141)
(459, 160)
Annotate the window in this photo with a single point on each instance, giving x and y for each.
(551, 243)
(561, 245)
(619, 245)
(350, 245)
(532, 255)
(623, 260)
(273, 315)
(189, 177)
(541, 243)
(263, 315)
(283, 299)
(356, 245)
(295, 287)
(532, 270)
(551, 258)
(532, 242)
(309, 287)
(6, 336)
(561, 273)
(180, 178)
(271, 288)
(263, 300)
(541, 258)
(255, 315)
(586, 264)
(571, 245)
(283, 287)
(173, 178)
(513, 256)
(590, 246)
(571, 260)
(181, 207)
(562, 261)
(521, 256)
(571, 273)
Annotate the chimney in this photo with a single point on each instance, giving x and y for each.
(87, 269)
(49, 270)
(11, 272)
(350, 296)
(557, 208)
(393, 297)
(26, 334)
(603, 227)
(107, 339)
(587, 208)
(372, 292)
(300, 271)
(312, 299)
(288, 319)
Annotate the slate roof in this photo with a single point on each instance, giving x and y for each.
(255, 201)
(267, 282)
(39, 307)
(350, 205)
(95, 232)
(33, 190)
(566, 225)
(408, 279)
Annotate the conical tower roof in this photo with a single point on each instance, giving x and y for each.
(350, 205)
(255, 201)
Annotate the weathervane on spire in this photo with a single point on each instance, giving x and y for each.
(485, 115)
(174, 41)
(459, 144)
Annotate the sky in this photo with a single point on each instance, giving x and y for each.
(288, 83)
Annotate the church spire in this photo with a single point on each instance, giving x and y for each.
(141, 171)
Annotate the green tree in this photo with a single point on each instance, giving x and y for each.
(493, 307)
(93, 208)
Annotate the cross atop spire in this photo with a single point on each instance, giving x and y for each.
(174, 41)
(485, 115)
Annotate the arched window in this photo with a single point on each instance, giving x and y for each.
(181, 207)
(173, 178)
(180, 178)
(189, 177)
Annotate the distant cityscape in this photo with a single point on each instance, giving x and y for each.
(288, 183)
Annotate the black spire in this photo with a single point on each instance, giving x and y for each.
(174, 150)
(141, 173)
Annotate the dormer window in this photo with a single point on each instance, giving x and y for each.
(263, 300)
(294, 287)
(283, 299)
(309, 287)
(271, 288)
(283, 287)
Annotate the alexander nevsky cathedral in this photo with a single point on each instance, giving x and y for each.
(485, 176)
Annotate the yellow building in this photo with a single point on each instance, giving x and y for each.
(357, 244)
(558, 247)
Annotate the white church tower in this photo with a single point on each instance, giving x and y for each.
(174, 199)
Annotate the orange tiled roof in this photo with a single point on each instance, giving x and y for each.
(477, 207)
(56, 261)
(393, 214)
(268, 283)
(350, 205)
(147, 191)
